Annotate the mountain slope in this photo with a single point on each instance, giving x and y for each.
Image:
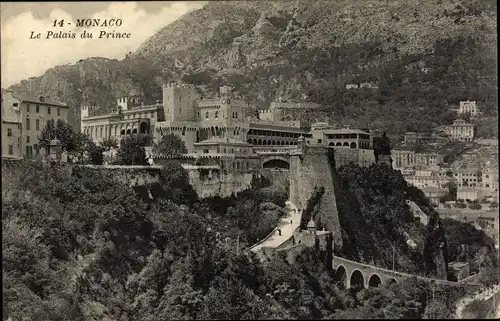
(311, 49)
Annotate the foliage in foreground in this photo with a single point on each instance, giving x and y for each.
(80, 246)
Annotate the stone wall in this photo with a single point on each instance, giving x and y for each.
(218, 183)
(207, 182)
(309, 169)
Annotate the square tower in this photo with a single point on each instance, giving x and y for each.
(179, 102)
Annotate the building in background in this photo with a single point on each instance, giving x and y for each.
(468, 107)
(461, 130)
(26, 116)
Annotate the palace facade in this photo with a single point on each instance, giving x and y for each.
(222, 125)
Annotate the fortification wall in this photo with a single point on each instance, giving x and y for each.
(313, 169)
(207, 183)
(219, 184)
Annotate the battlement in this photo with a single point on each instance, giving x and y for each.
(178, 85)
(88, 110)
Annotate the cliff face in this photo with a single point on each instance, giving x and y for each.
(297, 50)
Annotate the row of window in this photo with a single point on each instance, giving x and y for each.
(216, 114)
(29, 150)
(28, 124)
(140, 115)
(273, 133)
(37, 109)
(348, 136)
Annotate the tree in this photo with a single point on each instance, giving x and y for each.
(95, 153)
(170, 146)
(131, 151)
(61, 130)
(175, 181)
(109, 143)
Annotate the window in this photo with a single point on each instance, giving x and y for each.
(9, 131)
(48, 110)
(27, 108)
(27, 139)
(180, 98)
(15, 104)
(216, 114)
(28, 127)
(37, 108)
(37, 150)
(11, 149)
(101, 132)
(206, 151)
(29, 151)
(58, 111)
(37, 124)
(319, 141)
(236, 115)
(180, 111)
(207, 115)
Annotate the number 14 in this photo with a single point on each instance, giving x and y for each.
(60, 23)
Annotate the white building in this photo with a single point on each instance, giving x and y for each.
(461, 130)
(468, 107)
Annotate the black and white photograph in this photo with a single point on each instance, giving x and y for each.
(249, 160)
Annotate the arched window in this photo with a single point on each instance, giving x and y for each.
(216, 114)
(207, 115)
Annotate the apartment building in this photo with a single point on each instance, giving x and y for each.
(23, 118)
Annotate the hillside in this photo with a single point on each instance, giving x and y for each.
(80, 245)
(302, 49)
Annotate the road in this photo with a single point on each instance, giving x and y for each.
(287, 225)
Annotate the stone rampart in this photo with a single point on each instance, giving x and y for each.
(208, 181)
(312, 168)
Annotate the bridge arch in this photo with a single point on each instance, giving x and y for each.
(391, 281)
(276, 163)
(341, 276)
(374, 281)
(357, 279)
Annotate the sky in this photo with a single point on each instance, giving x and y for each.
(22, 57)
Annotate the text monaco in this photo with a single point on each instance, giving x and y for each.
(98, 22)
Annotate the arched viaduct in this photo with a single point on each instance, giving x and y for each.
(354, 274)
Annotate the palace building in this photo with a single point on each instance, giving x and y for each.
(222, 125)
(195, 119)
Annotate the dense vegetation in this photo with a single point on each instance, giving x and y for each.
(375, 220)
(78, 245)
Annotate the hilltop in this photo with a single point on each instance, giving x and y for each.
(424, 58)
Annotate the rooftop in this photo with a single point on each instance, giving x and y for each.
(218, 140)
(344, 131)
(40, 100)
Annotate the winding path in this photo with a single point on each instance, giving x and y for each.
(287, 225)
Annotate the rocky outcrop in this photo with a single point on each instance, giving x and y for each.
(255, 40)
